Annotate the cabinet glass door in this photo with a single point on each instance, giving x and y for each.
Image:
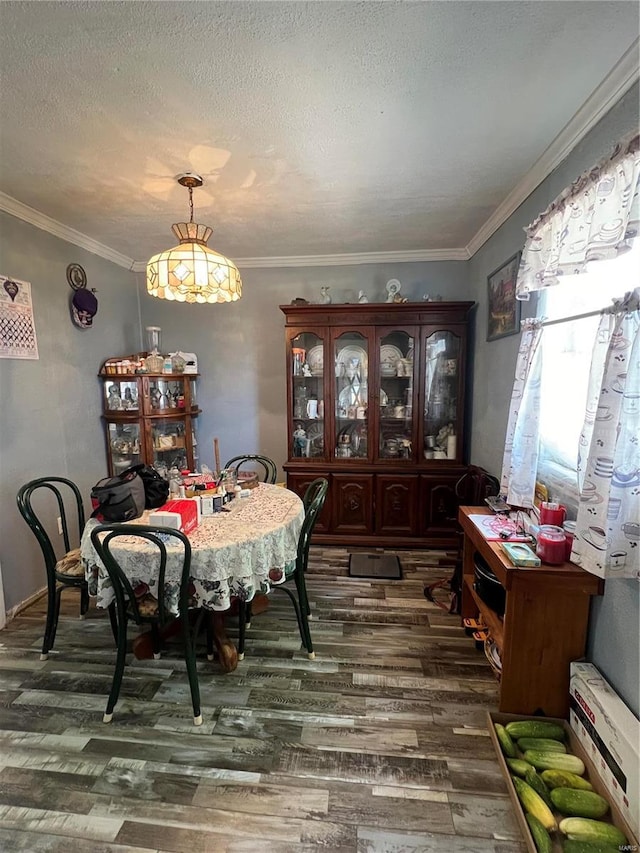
(123, 446)
(395, 422)
(351, 396)
(307, 399)
(442, 381)
(121, 395)
(165, 395)
(169, 443)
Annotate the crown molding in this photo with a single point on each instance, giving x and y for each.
(604, 97)
(64, 232)
(408, 257)
(619, 80)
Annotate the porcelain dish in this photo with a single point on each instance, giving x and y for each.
(315, 360)
(347, 354)
(389, 358)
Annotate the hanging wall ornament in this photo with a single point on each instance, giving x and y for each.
(83, 303)
(76, 276)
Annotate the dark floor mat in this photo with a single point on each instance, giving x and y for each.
(384, 566)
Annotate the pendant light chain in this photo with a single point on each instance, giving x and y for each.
(191, 203)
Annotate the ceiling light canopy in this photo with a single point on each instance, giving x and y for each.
(192, 272)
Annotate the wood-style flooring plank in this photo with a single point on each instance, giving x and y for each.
(379, 745)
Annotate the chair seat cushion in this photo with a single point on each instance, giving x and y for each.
(70, 565)
(147, 605)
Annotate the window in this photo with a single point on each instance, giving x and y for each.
(566, 361)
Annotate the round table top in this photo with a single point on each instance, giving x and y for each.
(233, 553)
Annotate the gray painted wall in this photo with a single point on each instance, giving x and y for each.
(240, 347)
(615, 619)
(241, 358)
(50, 408)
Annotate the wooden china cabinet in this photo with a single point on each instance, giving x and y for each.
(376, 403)
(150, 418)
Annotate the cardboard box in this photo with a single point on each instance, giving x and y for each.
(165, 519)
(186, 508)
(575, 746)
(610, 733)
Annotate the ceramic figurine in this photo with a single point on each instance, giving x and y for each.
(130, 401)
(299, 441)
(326, 296)
(362, 296)
(393, 289)
(114, 401)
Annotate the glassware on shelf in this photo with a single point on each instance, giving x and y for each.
(154, 363)
(154, 334)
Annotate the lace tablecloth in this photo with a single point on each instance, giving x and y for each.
(235, 554)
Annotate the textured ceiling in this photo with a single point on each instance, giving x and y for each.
(320, 128)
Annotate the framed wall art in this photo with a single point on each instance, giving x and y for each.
(503, 309)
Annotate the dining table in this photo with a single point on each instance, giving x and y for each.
(236, 554)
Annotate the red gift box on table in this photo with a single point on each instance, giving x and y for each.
(188, 511)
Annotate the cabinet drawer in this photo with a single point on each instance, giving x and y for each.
(397, 504)
(352, 503)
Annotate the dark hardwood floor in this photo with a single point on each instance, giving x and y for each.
(378, 746)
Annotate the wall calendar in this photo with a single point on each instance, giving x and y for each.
(17, 326)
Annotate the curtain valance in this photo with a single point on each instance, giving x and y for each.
(596, 218)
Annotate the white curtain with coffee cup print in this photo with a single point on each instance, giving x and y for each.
(596, 218)
(520, 460)
(607, 540)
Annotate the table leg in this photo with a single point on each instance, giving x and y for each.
(227, 652)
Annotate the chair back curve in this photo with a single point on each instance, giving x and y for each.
(268, 469)
(313, 500)
(104, 538)
(67, 496)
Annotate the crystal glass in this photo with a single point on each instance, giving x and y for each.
(154, 334)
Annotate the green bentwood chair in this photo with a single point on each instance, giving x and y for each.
(313, 501)
(68, 571)
(145, 608)
(269, 469)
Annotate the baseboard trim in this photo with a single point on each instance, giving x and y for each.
(18, 608)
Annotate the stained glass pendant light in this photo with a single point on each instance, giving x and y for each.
(192, 272)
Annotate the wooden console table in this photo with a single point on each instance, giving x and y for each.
(544, 626)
